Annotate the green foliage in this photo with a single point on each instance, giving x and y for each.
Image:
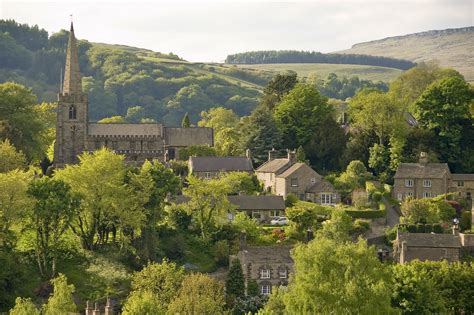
(199, 294)
(465, 221)
(337, 227)
(185, 123)
(50, 217)
(235, 280)
(196, 150)
(112, 120)
(335, 277)
(426, 211)
(143, 303)
(300, 155)
(161, 280)
(241, 182)
(243, 222)
(24, 306)
(343, 87)
(279, 86)
(275, 304)
(252, 287)
(221, 253)
(61, 301)
(365, 214)
(354, 177)
(304, 215)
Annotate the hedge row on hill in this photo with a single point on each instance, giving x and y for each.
(293, 56)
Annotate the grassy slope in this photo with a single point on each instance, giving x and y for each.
(322, 70)
(452, 48)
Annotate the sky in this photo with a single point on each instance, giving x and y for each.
(210, 30)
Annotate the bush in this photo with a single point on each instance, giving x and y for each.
(243, 222)
(360, 226)
(252, 288)
(365, 214)
(465, 221)
(291, 200)
(437, 228)
(221, 253)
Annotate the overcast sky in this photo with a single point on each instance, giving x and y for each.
(210, 30)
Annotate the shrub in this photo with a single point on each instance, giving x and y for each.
(221, 252)
(252, 288)
(243, 222)
(235, 285)
(291, 200)
(465, 222)
(365, 214)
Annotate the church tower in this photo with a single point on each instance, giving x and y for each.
(71, 121)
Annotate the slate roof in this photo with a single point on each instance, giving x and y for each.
(429, 240)
(466, 177)
(321, 186)
(274, 166)
(418, 170)
(269, 202)
(96, 129)
(296, 167)
(220, 163)
(184, 137)
(267, 254)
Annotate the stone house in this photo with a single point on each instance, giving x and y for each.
(426, 180)
(282, 176)
(427, 246)
(138, 142)
(212, 166)
(261, 208)
(269, 266)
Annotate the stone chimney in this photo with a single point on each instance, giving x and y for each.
(96, 310)
(291, 156)
(272, 154)
(109, 309)
(88, 308)
(248, 154)
(423, 158)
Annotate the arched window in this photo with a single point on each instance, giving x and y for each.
(72, 112)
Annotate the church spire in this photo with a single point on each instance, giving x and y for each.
(72, 76)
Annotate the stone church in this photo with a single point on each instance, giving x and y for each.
(138, 142)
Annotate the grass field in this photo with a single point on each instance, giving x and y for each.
(322, 70)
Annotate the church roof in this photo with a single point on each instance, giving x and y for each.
(184, 137)
(96, 129)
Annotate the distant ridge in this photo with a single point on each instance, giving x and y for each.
(451, 47)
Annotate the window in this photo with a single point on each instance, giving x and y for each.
(325, 199)
(408, 182)
(282, 273)
(256, 215)
(275, 213)
(460, 183)
(426, 194)
(72, 112)
(426, 183)
(400, 197)
(294, 182)
(265, 274)
(207, 175)
(409, 194)
(265, 289)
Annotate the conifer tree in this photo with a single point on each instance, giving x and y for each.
(185, 123)
(235, 280)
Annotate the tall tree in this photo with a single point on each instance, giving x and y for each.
(185, 123)
(10, 158)
(52, 212)
(235, 285)
(278, 86)
(61, 301)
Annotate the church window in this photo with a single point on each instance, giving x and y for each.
(72, 112)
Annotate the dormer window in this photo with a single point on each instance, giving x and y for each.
(72, 112)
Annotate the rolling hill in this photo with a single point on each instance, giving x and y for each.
(453, 48)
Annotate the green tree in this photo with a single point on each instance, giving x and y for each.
(379, 160)
(24, 306)
(102, 103)
(52, 212)
(112, 120)
(185, 123)
(300, 155)
(243, 222)
(355, 176)
(241, 182)
(234, 285)
(208, 203)
(275, 304)
(196, 150)
(300, 113)
(260, 134)
(442, 108)
(143, 303)
(102, 206)
(61, 301)
(339, 278)
(426, 210)
(10, 158)
(135, 114)
(199, 294)
(337, 227)
(278, 87)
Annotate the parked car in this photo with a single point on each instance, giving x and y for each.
(279, 221)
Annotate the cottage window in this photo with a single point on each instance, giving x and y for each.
(408, 182)
(283, 273)
(265, 274)
(72, 112)
(207, 175)
(275, 213)
(325, 199)
(294, 182)
(426, 183)
(460, 183)
(400, 196)
(265, 289)
(409, 194)
(426, 194)
(256, 214)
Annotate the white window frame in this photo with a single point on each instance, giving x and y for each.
(427, 183)
(207, 175)
(460, 183)
(400, 196)
(296, 182)
(265, 274)
(326, 199)
(274, 213)
(282, 273)
(409, 194)
(409, 182)
(427, 194)
(256, 214)
(265, 289)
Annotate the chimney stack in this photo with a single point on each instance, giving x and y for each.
(423, 158)
(291, 156)
(248, 154)
(271, 154)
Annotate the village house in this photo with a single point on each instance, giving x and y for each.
(208, 167)
(261, 208)
(268, 266)
(137, 142)
(427, 180)
(283, 176)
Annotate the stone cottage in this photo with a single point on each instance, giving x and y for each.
(282, 176)
(261, 208)
(138, 142)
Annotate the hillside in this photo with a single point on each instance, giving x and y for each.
(451, 47)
